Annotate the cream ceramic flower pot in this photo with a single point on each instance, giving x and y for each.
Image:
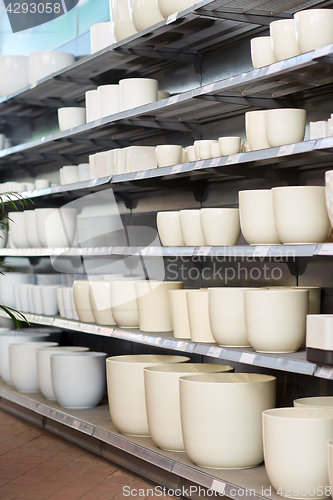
(124, 305)
(71, 117)
(23, 365)
(301, 214)
(168, 7)
(163, 404)
(179, 314)
(144, 13)
(100, 300)
(330, 464)
(276, 319)
(168, 154)
(226, 316)
(261, 52)
(315, 402)
(197, 306)
(136, 92)
(43, 355)
(153, 304)
(257, 217)
(101, 36)
(230, 145)
(190, 223)
(283, 39)
(204, 144)
(285, 126)
(314, 296)
(14, 71)
(314, 28)
(44, 63)
(295, 450)
(126, 390)
(220, 226)
(108, 100)
(122, 24)
(221, 418)
(169, 229)
(255, 127)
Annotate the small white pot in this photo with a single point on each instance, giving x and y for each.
(7, 283)
(68, 302)
(14, 71)
(49, 300)
(214, 150)
(23, 365)
(122, 24)
(56, 227)
(230, 145)
(84, 172)
(300, 214)
(37, 299)
(190, 154)
(261, 52)
(202, 146)
(283, 37)
(124, 306)
(168, 154)
(169, 229)
(168, 7)
(82, 301)
(285, 126)
(43, 356)
(295, 450)
(162, 94)
(221, 418)
(69, 174)
(42, 184)
(226, 316)
(163, 404)
(43, 64)
(190, 223)
(78, 378)
(276, 319)
(197, 306)
(255, 127)
(220, 226)
(329, 194)
(101, 36)
(257, 219)
(100, 301)
(108, 100)
(179, 314)
(153, 304)
(137, 158)
(17, 230)
(69, 118)
(23, 297)
(136, 92)
(314, 28)
(31, 228)
(144, 13)
(60, 302)
(126, 390)
(92, 106)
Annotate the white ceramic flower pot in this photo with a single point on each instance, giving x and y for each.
(230, 145)
(190, 154)
(101, 36)
(123, 26)
(7, 284)
(295, 450)
(49, 300)
(42, 184)
(163, 402)
(37, 299)
(60, 302)
(190, 223)
(78, 378)
(168, 7)
(23, 365)
(23, 297)
(100, 301)
(285, 126)
(315, 402)
(69, 174)
(153, 304)
(43, 356)
(226, 316)
(255, 127)
(124, 306)
(261, 52)
(276, 319)
(197, 306)
(126, 390)
(43, 64)
(84, 172)
(179, 314)
(68, 302)
(202, 146)
(82, 301)
(283, 38)
(329, 194)
(169, 229)
(314, 28)
(137, 158)
(71, 117)
(108, 100)
(314, 296)
(31, 228)
(220, 226)
(136, 92)
(17, 230)
(162, 94)
(301, 214)
(56, 227)
(221, 418)
(92, 106)
(257, 217)
(168, 154)
(144, 13)
(14, 71)
(214, 150)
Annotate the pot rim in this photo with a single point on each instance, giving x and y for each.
(129, 358)
(278, 413)
(258, 379)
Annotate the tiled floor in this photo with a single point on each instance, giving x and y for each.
(37, 466)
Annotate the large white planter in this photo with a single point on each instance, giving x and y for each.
(126, 390)
(82, 301)
(255, 127)
(78, 378)
(43, 64)
(122, 24)
(153, 304)
(261, 52)
(144, 13)
(163, 404)
(283, 39)
(14, 71)
(23, 365)
(221, 418)
(197, 306)
(285, 126)
(100, 301)
(179, 314)
(43, 356)
(295, 449)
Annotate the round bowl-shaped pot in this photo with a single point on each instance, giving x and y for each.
(283, 39)
(163, 404)
(144, 13)
(221, 418)
(301, 214)
(43, 64)
(14, 71)
(43, 356)
(255, 127)
(136, 92)
(82, 301)
(226, 316)
(23, 365)
(169, 229)
(124, 306)
(197, 306)
(78, 378)
(168, 154)
(168, 7)
(285, 126)
(122, 23)
(257, 217)
(190, 223)
(220, 226)
(314, 402)
(100, 301)
(153, 304)
(71, 117)
(126, 390)
(230, 145)
(295, 450)
(261, 52)
(276, 319)
(204, 145)
(56, 227)
(179, 314)
(314, 28)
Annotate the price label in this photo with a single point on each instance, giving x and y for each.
(204, 251)
(326, 249)
(322, 51)
(215, 162)
(247, 358)
(274, 68)
(261, 251)
(218, 486)
(198, 165)
(181, 346)
(176, 169)
(232, 159)
(173, 99)
(140, 175)
(214, 352)
(325, 372)
(208, 88)
(286, 150)
(172, 18)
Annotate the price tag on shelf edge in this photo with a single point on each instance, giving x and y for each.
(247, 358)
(176, 169)
(286, 150)
(261, 251)
(325, 372)
(204, 251)
(172, 18)
(218, 486)
(214, 352)
(326, 249)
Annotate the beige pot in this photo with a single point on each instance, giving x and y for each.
(153, 304)
(255, 127)
(163, 404)
(283, 39)
(315, 402)
(314, 28)
(295, 449)
(220, 226)
(179, 314)
(197, 305)
(285, 126)
(261, 52)
(124, 306)
(126, 391)
(190, 223)
(169, 230)
(82, 302)
(314, 296)
(100, 300)
(221, 418)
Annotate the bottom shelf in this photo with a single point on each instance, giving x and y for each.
(93, 430)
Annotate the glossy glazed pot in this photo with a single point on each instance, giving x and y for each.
(101, 36)
(108, 100)
(136, 92)
(92, 105)
(14, 71)
(261, 52)
(124, 306)
(255, 127)
(144, 13)
(122, 24)
(229, 145)
(168, 7)
(315, 402)
(169, 229)
(71, 117)
(197, 306)
(285, 126)
(220, 226)
(314, 28)
(283, 39)
(168, 154)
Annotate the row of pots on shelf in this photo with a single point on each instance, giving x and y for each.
(289, 215)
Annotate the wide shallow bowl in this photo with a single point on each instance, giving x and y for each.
(285, 126)
(43, 356)
(283, 39)
(261, 52)
(43, 64)
(163, 404)
(295, 450)
(197, 306)
(126, 390)
(82, 301)
(169, 229)
(144, 13)
(179, 314)
(276, 319)
(122, 23)
(78, 378)
(100, 301)
(190, 223)
(314, 28)
(221, 418)
(220, 226)
(23, 365)
(301, 214)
